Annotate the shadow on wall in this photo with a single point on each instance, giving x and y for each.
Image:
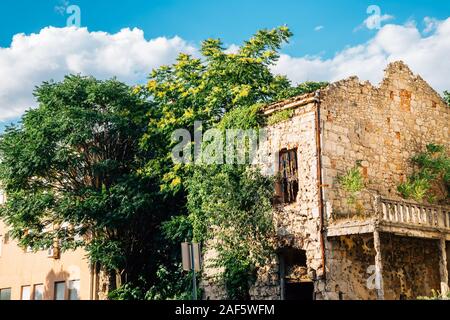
(55, 287)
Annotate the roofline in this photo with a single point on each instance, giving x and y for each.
(291, 103)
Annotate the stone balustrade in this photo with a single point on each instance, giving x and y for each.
(409, 213)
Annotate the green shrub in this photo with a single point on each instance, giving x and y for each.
(352, 182)
(431, 177)
(414, 188)
(280, 116)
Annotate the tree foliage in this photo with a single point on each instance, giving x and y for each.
(206, 89)
(71, 172)
(230, 210)
(228, 203)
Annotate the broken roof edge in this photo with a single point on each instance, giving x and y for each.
(304, 99)
(293, 102)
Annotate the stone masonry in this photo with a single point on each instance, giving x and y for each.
(350, 254)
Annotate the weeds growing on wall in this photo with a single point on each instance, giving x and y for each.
(352, 182)
(430, 180)
(280, 116)
(435, 295)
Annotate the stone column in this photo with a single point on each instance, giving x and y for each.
(378, 266)
(443, 271)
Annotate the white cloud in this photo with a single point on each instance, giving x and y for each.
(318, 28)
(426, 55)
(55, 52)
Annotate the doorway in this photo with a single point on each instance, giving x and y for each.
(294, 280)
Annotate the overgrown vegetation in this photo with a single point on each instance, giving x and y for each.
(227, 203)
(230, 210)
(430, 180)
(352, 182)
(280, 116)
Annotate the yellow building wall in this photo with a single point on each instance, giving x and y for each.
(20, 268)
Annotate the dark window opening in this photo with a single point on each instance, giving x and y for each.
(286, 188)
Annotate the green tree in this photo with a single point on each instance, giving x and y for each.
(206, 89)
(71, 171)
(223, 90)
(230, 209)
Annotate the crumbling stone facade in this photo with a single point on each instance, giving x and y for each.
(382, 128)
(378, 246)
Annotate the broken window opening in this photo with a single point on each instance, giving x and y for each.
(286, 188)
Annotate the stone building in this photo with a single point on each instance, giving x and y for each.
(377, 246)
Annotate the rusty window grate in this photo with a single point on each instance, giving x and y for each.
(286, 188)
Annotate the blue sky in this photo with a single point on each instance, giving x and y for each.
(322, 31)
(231, 20)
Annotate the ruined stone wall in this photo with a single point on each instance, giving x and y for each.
(448, 256)
(383, 127)
(350, 264)
(298, 224)
(410, 267)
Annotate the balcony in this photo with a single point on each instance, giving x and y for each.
(397, 217)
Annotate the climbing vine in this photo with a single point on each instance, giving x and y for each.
(230, 210)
